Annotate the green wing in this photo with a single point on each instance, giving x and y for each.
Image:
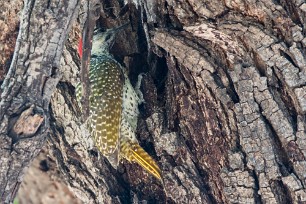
(106, 107)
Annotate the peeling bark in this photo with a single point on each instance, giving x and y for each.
(224, 117)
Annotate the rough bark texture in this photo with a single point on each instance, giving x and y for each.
(225, 92)
(28, 86)
(38, 187)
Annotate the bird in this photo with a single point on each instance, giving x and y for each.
(113, 106)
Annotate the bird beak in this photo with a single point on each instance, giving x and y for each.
(119, 28)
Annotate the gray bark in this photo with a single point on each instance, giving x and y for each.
(224, 117)
(28, 86)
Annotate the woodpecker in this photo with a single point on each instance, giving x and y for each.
(113, 106)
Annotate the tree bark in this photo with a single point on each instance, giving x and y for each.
(224, 112)
(27, 88)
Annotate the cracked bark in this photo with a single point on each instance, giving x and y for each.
(27, 88)
(225, 92)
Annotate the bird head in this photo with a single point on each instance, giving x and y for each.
(102, 41)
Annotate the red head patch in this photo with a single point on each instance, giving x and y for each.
(80, 48)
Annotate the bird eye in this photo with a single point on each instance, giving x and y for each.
(107, 37)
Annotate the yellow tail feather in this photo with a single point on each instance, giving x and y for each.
(140, 156)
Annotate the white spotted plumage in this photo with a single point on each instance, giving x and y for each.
(114, 108)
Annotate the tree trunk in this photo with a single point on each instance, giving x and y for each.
(224, 112)
(29, 84)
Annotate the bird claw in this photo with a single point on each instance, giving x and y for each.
(137, 89)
